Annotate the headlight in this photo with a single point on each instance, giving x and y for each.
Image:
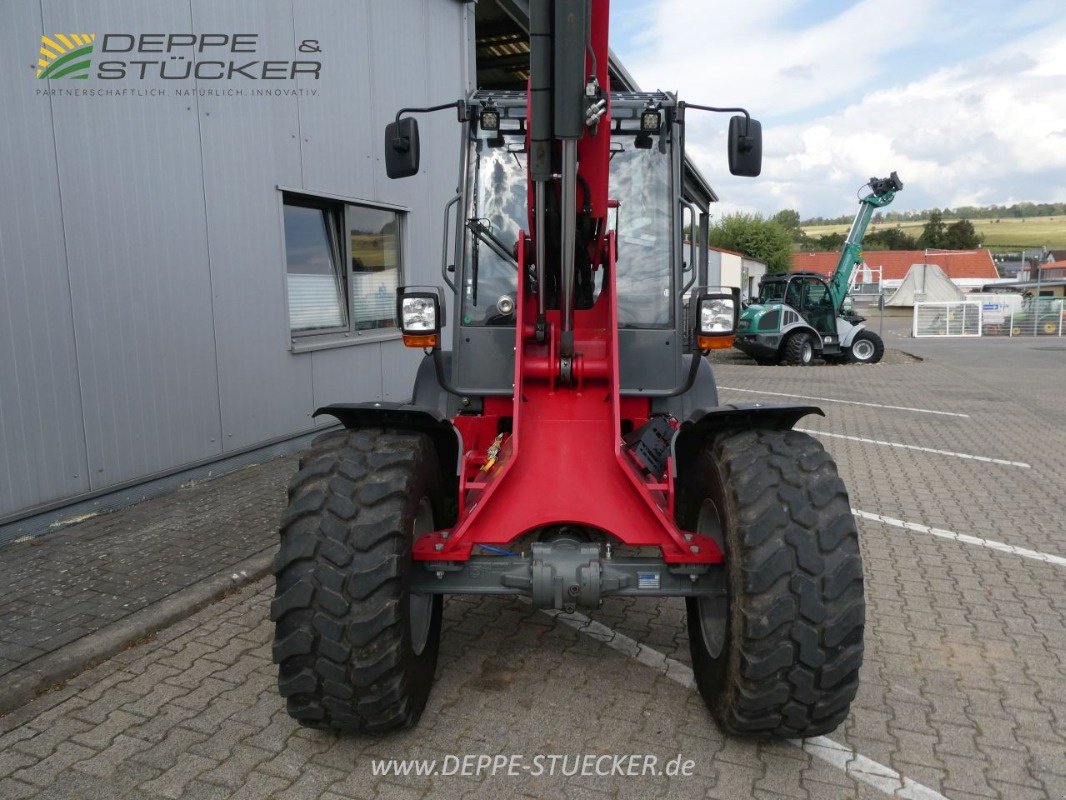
(716, 316)
(420, 314)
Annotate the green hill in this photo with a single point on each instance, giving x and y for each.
(1005, 234)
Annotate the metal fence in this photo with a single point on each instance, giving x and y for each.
(866, 282)
(947, 319)
(1045, 316)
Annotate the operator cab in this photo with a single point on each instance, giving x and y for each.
(644, 179)
(806, 292)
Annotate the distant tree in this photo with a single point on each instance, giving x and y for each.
(831, 241)
(801, 241)
(889, 239)
(961, 235)
(755, 237)
(933, 234)
(787, 219)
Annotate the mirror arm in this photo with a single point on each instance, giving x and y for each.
(459, 105)
(747, 117)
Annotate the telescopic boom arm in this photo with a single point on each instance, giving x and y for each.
(882, 193)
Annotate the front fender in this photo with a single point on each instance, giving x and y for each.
(405, 417)
(705, 423)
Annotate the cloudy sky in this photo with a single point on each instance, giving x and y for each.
(966, 100)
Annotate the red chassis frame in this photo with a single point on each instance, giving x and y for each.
(563, 462)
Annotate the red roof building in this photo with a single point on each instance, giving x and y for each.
(959, 265)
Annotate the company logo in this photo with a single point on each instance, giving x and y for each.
(65, 55)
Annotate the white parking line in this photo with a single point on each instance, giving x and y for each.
(838, 755)
(987, 459)
(965, 538)
(848, 402)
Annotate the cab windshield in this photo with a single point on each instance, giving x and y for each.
(496, 214)
(771, 290)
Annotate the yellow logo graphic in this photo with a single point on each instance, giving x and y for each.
(65, 55)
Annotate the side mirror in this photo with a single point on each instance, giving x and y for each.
(401, 148)
(716, 315)
(745, 146)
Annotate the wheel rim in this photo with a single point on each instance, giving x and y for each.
(420, 606)
(863, 349)
(808, 352)
(1049, 328)
(712, 610)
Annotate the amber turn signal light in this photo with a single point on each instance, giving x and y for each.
(423, 340)
(714, 342)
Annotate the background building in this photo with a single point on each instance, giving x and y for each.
(189, 267)
(730, 268)
(150, 324)
(884, 270)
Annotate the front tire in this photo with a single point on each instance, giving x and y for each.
(799, 350)
(356, 650)
(780, 654)
(866, 348)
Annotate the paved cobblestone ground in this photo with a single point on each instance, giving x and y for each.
(59, 587)
(962, 688)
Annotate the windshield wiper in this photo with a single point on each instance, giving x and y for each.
(484, 233)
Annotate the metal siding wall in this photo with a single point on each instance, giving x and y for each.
(417, 52)
(398, 367)
(133, 211)
(345, 375)
(338, 138)
(42, 444)
(251, 145)
(442, 61)
(339, 156)
(171, 343)
(380, 57)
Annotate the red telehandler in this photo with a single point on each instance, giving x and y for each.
(565, 448)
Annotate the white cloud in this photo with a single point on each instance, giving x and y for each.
(990, 129)
(748, 52)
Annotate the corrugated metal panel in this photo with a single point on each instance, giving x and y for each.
(417, 51)
(133, 211)
(250, 146)
(42, 446)
(411, 51)
(398, 367)
(171, 343)
(339, 139)
(345, 375)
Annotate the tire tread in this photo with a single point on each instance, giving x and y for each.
(340, 634)
(794, 650)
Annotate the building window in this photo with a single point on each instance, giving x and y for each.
(343, 264)
(375, 243)
(316, 274)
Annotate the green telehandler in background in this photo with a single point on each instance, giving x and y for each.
(800, 315)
